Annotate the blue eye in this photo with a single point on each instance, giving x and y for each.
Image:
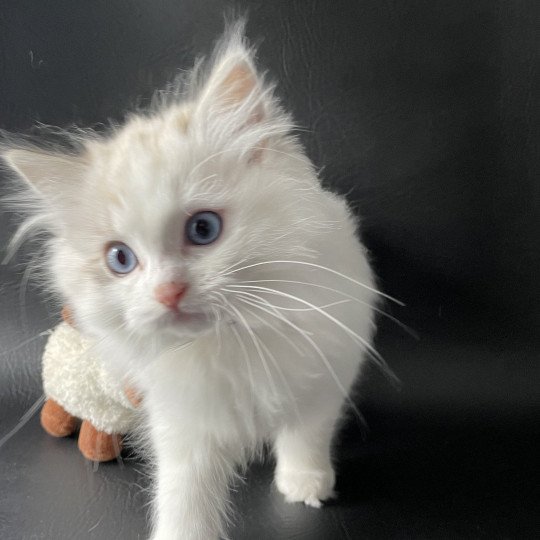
(120, 258)
(203, 228)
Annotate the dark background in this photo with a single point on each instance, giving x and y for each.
(427, 115)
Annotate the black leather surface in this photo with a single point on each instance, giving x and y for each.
(426, 113)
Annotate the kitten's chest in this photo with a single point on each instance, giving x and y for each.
(226, 381)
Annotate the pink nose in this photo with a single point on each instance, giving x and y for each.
(169, 294)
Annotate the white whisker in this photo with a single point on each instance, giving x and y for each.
(266, 303)
(248, 363)
(332, 271)
(372, 351)
(278, 368)
(257, 347)
(45, 333)
(324, 359)
(402, 325)
(301, 310)
(223, 272)
(277, 330)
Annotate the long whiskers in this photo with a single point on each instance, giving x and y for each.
(277, 330)
(43, 334)
(320, 354)
(258, 300)
(359, 339)
(257, 345)
(278, 368)
(395, 320)
(231, 267)
(246, 357)
(325, 268)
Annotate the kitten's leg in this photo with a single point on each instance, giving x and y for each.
(191, 487)
(304, 471)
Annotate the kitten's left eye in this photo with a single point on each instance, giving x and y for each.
(120, 258)
(203, 228)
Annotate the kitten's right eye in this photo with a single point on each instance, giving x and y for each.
(120, 258)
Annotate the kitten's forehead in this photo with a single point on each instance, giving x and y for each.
(153, 173)
(158, 142)
(165, 157)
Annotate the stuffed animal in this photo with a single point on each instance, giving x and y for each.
(77, 387)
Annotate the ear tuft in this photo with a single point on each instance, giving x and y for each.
(233, 86)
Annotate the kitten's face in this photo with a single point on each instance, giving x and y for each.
(169, 218)
(152, 224)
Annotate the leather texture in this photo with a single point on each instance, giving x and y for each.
(427, 115)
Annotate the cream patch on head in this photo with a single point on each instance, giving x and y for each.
(182, 119)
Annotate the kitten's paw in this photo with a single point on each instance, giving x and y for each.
(308, 486)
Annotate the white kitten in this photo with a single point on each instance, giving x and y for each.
(196, 246)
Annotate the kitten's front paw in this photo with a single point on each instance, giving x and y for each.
(178, 535)
(308, 486)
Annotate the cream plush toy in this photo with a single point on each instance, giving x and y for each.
(77, 387)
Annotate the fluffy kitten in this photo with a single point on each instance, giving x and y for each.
(196, 246)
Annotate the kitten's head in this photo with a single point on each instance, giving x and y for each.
(152, 223)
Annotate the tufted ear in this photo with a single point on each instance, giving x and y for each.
(51, 175)
(235, 109)
(234, 87)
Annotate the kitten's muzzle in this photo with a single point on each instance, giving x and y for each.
(169, 294)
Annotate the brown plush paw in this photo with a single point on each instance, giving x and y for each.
(98, 446)
(56, 421)
(67, 315)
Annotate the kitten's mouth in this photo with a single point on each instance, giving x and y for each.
(179, 322)
(180, 318)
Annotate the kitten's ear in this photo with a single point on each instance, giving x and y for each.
(234, 87)
(235, 108)
(50, 175)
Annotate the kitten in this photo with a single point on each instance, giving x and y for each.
(198, 249)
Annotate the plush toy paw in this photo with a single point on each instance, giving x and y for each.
(78, 388)
(56, 421)
(308, 486)
(97, 445)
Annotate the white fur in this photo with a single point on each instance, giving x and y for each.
(273, 360)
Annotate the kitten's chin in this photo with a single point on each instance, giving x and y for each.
(183, 323)
(180, 324)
